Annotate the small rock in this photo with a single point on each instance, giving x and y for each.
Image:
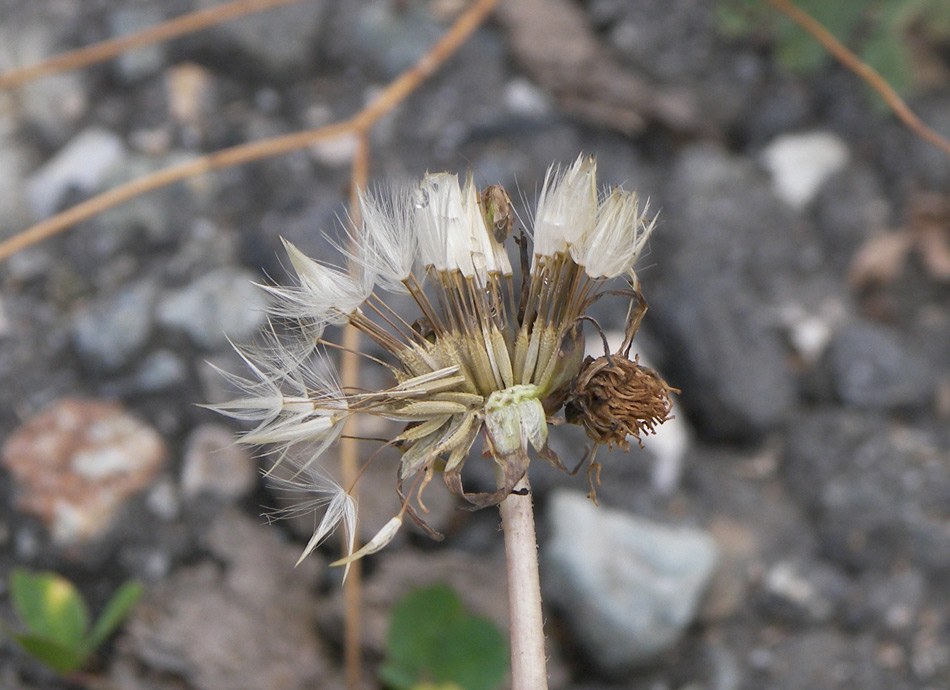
(782, 104)
(14, 163)
(82, 165)
(190, 91)
(872, 367)
(158, 218)
(214, 465)
(335, 152)
(810, 329)
(220, 304)
(110, 332)
(389, 36)
(816, 659)
(150, 564)
(523, 98)
(137, 64)
(850, 209)
(244, 625)
(54, 103)
(75, 464)
(801, 163)
(729, 586)
(161, 370)
(281, 41)
(896, 598)
(725, 355)
(628, 587)
(163, 500)
(729, 252)
(876, 492)
(804, 592)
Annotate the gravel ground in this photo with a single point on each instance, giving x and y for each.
(790, 529)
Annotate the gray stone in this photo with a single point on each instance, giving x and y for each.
(56, 102)
(817, 659)
(896, 598)
(14, 163)
(627, 587)
(725, 355)
(678, 42)
(161, 370)
(160, 215)
(137, 64)
(801, 163)
(279, 41)
(387, 35)
(82, 165)
(730, 253)
(781, 105)
(804, 592)
(215, 466)
(876, 492)
(720, 216)
(873, 367)
(850, 209)
(224, 303)
(523, 98)
(111, 331)
(244, 622)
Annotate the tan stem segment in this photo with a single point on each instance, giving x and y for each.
(528, 662)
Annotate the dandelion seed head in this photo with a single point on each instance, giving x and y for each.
(484, 356)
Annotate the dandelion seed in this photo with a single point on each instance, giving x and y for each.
(486, 355)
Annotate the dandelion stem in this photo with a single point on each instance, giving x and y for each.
(528, 661)
(349, 448)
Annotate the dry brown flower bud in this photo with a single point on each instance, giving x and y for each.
(613, 398)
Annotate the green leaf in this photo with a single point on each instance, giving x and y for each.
(419, 622)
(58, 657)
(398, 678)
(117, 610)
(50, 607)
(888, 54)
(735, 18)
(473, 654)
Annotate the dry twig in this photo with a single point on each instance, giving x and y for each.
(863, 70)
(106, 50)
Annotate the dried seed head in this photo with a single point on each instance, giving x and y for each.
(613, 398)
(485, 353)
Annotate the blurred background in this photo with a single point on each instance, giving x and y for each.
(790, 529)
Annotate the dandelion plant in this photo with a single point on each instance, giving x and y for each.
(492, 354)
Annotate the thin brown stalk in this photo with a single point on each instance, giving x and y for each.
(106, 50)
(863, 70)
(349, 445)
(226, 158)
(361, 122)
